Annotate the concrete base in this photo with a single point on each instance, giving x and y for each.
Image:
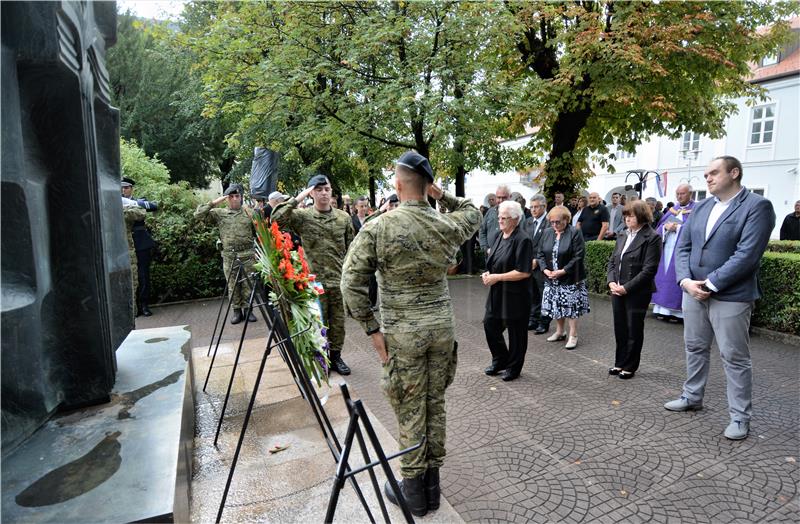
(124, 461)
(292, 485)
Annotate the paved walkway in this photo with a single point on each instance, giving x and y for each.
(568, 443)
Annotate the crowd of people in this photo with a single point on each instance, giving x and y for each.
(692, 260)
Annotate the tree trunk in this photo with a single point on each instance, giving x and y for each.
(559, 168)
(372, 191)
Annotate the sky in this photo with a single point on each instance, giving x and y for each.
(158, 9)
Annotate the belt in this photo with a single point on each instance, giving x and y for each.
(240, 247)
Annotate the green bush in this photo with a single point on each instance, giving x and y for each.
(778, 309)
(597, 254)
(784, 246)
(186, 264)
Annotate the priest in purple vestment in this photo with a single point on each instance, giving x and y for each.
(667, 298)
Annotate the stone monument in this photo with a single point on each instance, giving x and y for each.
(66, 283)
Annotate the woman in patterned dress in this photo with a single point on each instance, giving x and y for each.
(565, 297)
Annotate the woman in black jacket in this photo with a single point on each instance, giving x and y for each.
(631, 279)
(560, 256)
(509, 301)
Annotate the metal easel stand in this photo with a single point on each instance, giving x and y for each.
(359, 413)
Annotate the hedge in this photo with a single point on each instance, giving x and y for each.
(779, 307)
(784, 246)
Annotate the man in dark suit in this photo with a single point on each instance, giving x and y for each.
(362, 206)
(716, 261)
(535, 226)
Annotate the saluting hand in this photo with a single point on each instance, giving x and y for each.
(435, 192)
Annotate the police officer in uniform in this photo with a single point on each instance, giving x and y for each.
(132, 213)
(144, 244)
(236, 232)
(410, 249)
(326, 234)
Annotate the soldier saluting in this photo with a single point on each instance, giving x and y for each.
(410, 249)
(326, 234)
(236, 233)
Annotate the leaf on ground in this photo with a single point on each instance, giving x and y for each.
(623, 493)
(615, 402)
(277, 448)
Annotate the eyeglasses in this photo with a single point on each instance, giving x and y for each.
(555, 222)
(501, 197)
(506, 218)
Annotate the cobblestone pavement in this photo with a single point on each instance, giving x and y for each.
(566, 442)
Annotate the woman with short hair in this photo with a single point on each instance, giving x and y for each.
(508, 269)
(561, 254)
(631, 278)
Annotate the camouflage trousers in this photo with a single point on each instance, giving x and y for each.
(422, 365)
(134, 280)
(333, 316)
(239, 294)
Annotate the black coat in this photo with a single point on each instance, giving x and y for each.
(510, 300)
(571, 250)
(639, 263)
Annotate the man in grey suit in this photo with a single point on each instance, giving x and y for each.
(535, 226)
(490, 226)
(716, 263)
(616, 222)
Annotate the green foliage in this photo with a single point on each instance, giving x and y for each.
(593, 74)
(161, 104)
(784, 246)
(596, 260)
(778, 309)
(186, 264)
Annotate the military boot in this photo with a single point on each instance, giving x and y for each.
(337, 364)
(237, 316)
(413, 491)
(432, 491)
(251, 317)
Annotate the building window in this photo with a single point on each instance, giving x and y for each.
(763, 126)
(691, 142)
(698, 195)
(757, 191)
(769, 60)
(623, 155)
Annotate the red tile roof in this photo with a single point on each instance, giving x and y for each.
(787, 66)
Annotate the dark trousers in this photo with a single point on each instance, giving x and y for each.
(143, 259)
(537, 291)
(510, 357)
(629, 312)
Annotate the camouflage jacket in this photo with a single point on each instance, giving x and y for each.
(325, 236)
(132, 214)
(235, 227)
(409, 249)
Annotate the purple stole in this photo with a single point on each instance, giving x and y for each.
(668, 292)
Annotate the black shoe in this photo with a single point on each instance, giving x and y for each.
(614, 371)
(146, 311)
(509, 375)
(251, 317)
(540, 330)
(532, 326)
(337, 364)
(432, 491)
(493, 370)
(237, 316)
(413, 491)
(625, 375)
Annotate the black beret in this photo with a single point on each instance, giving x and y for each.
(393, 198)
(318, 180)
(234, 189)
(417, 163)
(127, 182)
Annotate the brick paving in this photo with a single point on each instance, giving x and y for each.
(566, 442)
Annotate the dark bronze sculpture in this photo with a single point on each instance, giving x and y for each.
(66, 282)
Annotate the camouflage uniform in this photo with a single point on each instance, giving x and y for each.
(237, 233)
(326, 237)
(133, 214)
(411, 249)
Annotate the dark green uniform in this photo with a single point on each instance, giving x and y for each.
(237, 233)
(326, 237)
(133, 214)
(410, 249)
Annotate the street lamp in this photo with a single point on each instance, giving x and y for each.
(641, 175)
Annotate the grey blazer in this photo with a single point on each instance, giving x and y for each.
(731, 256)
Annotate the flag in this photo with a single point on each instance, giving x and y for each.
(661, 184)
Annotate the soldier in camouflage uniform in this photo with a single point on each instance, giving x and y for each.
(326, 234)
(410, 249)
(237, 233)
(132, 213)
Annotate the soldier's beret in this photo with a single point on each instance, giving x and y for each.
(393, 198)
(234, 189)
(275, 195)
(417, 163)
(318, 180)
(127, 182)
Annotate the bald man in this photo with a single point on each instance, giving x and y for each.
(594, 219)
